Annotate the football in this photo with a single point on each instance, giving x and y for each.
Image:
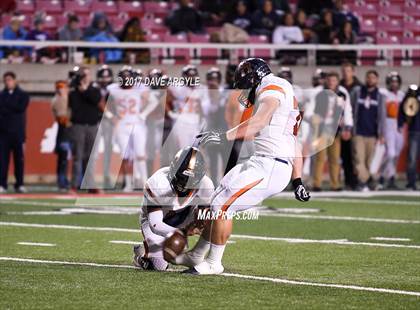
(174, 245)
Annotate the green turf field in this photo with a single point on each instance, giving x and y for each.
(336, 255)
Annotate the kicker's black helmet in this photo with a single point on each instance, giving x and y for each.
(250, 73)
(186, 170)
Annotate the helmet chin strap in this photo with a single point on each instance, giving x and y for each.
(247, 97)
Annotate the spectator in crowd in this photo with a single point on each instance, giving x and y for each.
(412, 118)
(394, 140)
(100, 30)
(369, 123)
(86, 113)
(288, 32)
(70, 31)
(281, 6)
(15, 31)
(329, 106)
(132, 32)
(325, 28)
(265, 20)
(314, 7)
(309, 36)
(349, 82)
(345, 35)
(61, 112)
(213, 12)
(100, 24)
(13, 104)
(184, 19)
(44, 55)
(341, 15)
(240, 17)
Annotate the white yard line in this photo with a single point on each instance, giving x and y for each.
(36, 243)
(232, 275)
(343, 218)
(369, 201)
(390, 239)
(289, 240)
(124, 242)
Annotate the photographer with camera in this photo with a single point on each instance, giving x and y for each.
(86, 113)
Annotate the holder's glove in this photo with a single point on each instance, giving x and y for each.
(301, 193)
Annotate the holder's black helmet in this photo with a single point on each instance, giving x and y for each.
(393, 76)
(186, 170)
(250, 72)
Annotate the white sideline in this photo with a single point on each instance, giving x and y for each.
(289, 240)
(390, 239)
(124, 242)
(232, 275)
(36, 243)
(343, 218)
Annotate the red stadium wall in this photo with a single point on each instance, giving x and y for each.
(40, 166)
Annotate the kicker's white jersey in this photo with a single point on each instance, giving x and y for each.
(126, 102)
(278, 138)
(158, 191)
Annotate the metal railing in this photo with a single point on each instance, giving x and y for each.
(387, 51)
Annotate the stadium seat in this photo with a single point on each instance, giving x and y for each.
(391, 9)
(132, 8)
(368, 26)
(368, 10)
(385, 38)
(50, 22)
(49, 6)
(119, 21)
(26, 6)
(181, 55)
(154, 25)
(78, 6)
(412, 24)
(390, 25)
(410, 38)
(157, 9)
(107, 7)
(262, 53)
(206, 55)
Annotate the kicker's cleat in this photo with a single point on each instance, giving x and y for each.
(188, 259)
(204, 268)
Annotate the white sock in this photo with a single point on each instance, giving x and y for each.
(201, 248)
(216, 254)
(140, 170)
(128, 180)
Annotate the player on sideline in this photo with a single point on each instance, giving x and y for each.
(129, 101)
(172, 197)
(274, 126)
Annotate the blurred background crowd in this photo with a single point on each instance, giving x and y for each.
(375, 124)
